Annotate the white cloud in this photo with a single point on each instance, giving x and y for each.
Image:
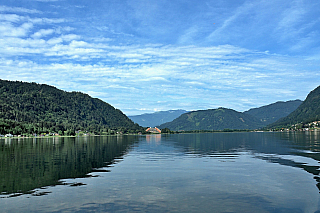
(7, 29)
(206, 82)
(18, 10)
(43, 33)
(106, 63)
(222, 30)
(46, 20)
(54, 41)
(291, 17)
(70, 37)
(11, 18)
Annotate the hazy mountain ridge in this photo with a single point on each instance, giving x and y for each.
(34, 108)
(157, 118)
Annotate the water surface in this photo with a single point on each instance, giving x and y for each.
(213, 172)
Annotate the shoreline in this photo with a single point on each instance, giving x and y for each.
(182, 132)
(62, 136)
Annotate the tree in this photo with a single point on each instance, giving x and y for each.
(166, 130)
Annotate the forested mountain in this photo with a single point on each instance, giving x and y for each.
(157, 118)
(273, 112)
(219, 119)
(213, 119)
(38, 108)
(307, 112)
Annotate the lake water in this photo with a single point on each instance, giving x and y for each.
(212, 172)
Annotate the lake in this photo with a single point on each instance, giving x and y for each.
(208, 172)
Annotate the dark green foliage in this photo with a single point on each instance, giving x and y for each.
(307, 112)
(157, 118)
(213, 119)
(166, 131)
(273, 112)
(38, 108)
(230, 120)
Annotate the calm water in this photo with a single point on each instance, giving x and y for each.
(218, 172)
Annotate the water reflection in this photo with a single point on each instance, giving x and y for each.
(219, 172)
(27, 164)
(153, 138)
(294, 149)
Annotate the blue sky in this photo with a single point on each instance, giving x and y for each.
(143, 56)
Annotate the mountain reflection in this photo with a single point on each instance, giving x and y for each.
(285, 148)
(27, 164)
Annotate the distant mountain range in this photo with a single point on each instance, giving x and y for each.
(271, 113)
(222, 118)
(157, 118)
(39, 108)
(213, 119)
(279, 114)
(308, 111)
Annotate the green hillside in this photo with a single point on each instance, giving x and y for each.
(307, 112)
(157, 118)
(213, 119)
(273, 112)
(38, 108)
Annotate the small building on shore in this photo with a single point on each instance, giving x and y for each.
(153, 130)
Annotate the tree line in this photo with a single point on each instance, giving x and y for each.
(31, 108)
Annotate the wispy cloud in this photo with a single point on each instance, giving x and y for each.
(18, 10)
(141, 60)
(205, 83)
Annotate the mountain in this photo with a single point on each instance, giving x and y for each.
(213, 119)
(219, 119)
(157, 118)
(307, 112)
(273, 112)
(39, 108)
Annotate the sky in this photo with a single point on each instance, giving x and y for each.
(143, 56)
